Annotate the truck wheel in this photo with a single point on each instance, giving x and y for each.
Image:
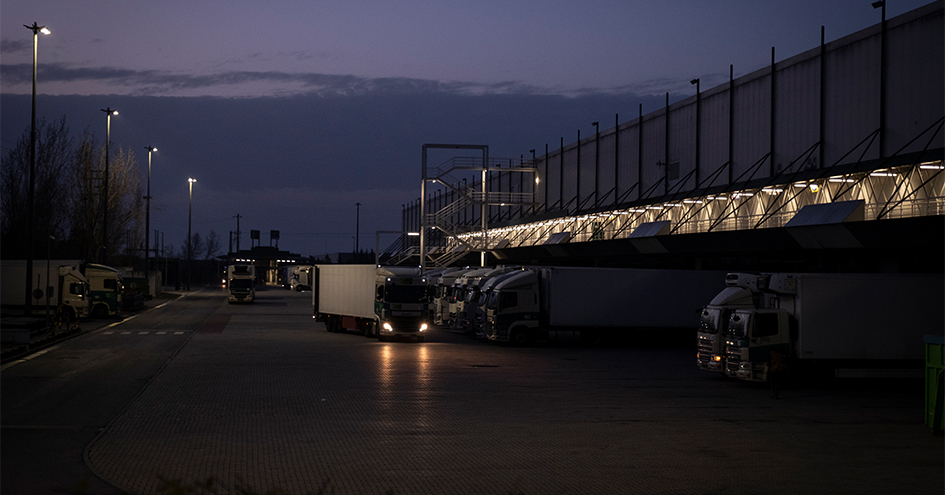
(67, 313)
(99, 311)
(518, 336)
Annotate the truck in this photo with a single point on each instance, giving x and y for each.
(381, 302)
(467, 312)
(240, 283)
(106, 289)
(67, 292)
(444, 292)
(459, 290)
(596, 304)
(820, 323)
(301, 278)
(479, 306)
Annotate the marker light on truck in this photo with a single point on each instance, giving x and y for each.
(716, 358)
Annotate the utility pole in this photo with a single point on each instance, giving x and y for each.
(237, 217)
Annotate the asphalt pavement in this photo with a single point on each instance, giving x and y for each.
(260, 397)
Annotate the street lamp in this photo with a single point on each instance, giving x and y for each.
(108, 137)
(596, 125)
(190, 243)
(28, 307)
(697, 82)
(357, 229)
(147, 220)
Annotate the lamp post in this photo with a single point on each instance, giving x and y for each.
(48, 256)
(596, 125)
(698, 121)
(357, 229)
(881, 4)
(147, 220)
(108, 137)
(28, 307)
(190, 241)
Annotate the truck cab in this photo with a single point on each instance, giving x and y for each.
(512, 310)
(742, 291)
(241, 283)
(401, 303)
(106, 289)
(751, 337)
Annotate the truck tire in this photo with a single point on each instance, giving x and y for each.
(99, 311)
(518, 336)
(67, 313)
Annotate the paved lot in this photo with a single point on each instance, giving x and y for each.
(263, 397)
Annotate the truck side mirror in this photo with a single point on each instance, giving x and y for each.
(380, 293)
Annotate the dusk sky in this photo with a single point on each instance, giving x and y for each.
(290, 112)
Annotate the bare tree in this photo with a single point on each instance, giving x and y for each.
(50, 213)
(125, 204)
(197, 247)
(212, 244)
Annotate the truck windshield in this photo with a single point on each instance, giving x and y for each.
(241, 283)
(406, 293)
(709, 321)
(738, 326)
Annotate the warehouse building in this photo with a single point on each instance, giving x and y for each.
(827, 160)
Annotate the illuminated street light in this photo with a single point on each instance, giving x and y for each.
(108, 137)
(190, 243)
(147, 219)
(28, 307)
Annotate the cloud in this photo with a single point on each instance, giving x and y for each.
(107, 80)
(15, 46)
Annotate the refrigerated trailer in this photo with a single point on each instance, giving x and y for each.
(595, 303)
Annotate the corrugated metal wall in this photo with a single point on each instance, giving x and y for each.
(840, 88)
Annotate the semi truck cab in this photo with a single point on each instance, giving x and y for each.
(402, 304)
(512, 311)
(753, 334)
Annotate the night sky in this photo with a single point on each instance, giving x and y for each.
(290, 112)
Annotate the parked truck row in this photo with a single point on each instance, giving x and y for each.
(831, 320)
(74, 288)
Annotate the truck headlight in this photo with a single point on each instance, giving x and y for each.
(388, 327)
(716, 358)
(423, 328)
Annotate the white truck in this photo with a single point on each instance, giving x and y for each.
(468, 307)
(819, 322)
(594, 304)
(106, 289)
(382, 302)
(68, 288)
(460, 288)
(240, 283)
(444, 291)
(301, 278)
(479, 326)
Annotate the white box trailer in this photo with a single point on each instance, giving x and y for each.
(622, 297)
(346, 290)
(593, 303)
